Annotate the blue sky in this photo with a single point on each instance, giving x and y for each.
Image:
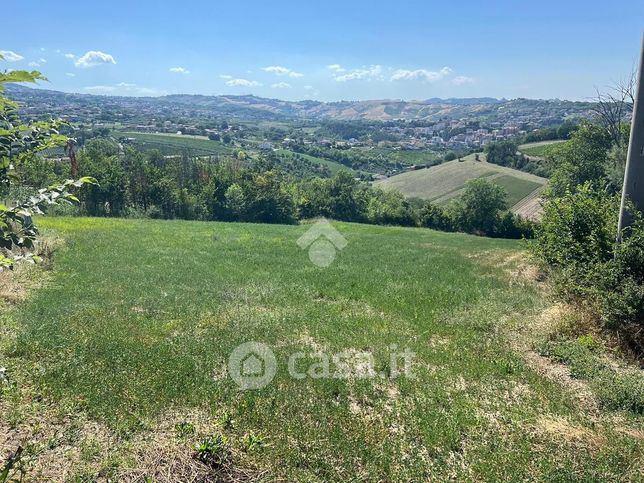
(329, 50)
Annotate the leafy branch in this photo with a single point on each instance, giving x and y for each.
(18, 141)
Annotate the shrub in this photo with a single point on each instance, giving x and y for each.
(514, 226)
(576, 244)
(450, 156)
(620, 286)
(433, 216)
(389, 208)
(576, 234)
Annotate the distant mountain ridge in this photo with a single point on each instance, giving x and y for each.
(251, 107)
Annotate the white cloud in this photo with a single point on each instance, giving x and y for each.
(179, 70)
(461, 80)
(11, 56)
(281, 85)
(33, 64)
(70, 74)
(42, 61)
(225, 76)
(70, 56)
(242, 83)
(366, 73)
(280, 70)
(420, 75)
(335, 67)
(100, 88)
(94, 58)
(309, 88)
(124, 88)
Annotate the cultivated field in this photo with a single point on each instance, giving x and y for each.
(446, 181)
(333, 166)
(541, 149)
(197, 144)
(117, 361)
(201, 145)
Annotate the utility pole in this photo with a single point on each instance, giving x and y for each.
(634, 174)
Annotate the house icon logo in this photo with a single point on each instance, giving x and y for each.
(323, 242)
(252, 365)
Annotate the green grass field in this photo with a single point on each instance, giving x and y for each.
(445, 182)
(541, 149)
(200, 144)
(118, 360)
(333, 166)
(517, 188)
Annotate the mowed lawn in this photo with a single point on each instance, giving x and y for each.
(138, 318)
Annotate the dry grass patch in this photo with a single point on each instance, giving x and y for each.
(66, 447)
(563, 430)
(16, 284)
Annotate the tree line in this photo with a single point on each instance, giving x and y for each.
(139, 184)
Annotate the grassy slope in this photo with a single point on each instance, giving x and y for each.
(446, 181)
(332, 165)
(517, 188)
(180, 141)
(140, 316)
(540, 149)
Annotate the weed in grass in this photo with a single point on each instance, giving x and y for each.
(184, 430)
(14, 465)
(225, 420)
(212, 449)
(90, 449)
(589, 342)
(616, 388)
(251, 442)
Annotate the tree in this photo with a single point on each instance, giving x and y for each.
(581, 159)
(20, 142)
(450, 156)
(389, 208)
(433, 216)
(479, 208)
(503, 153)
(235, 200)
(614, 106)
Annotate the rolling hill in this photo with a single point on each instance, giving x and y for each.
(446, 182)
(541, 149)
(45, 103)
